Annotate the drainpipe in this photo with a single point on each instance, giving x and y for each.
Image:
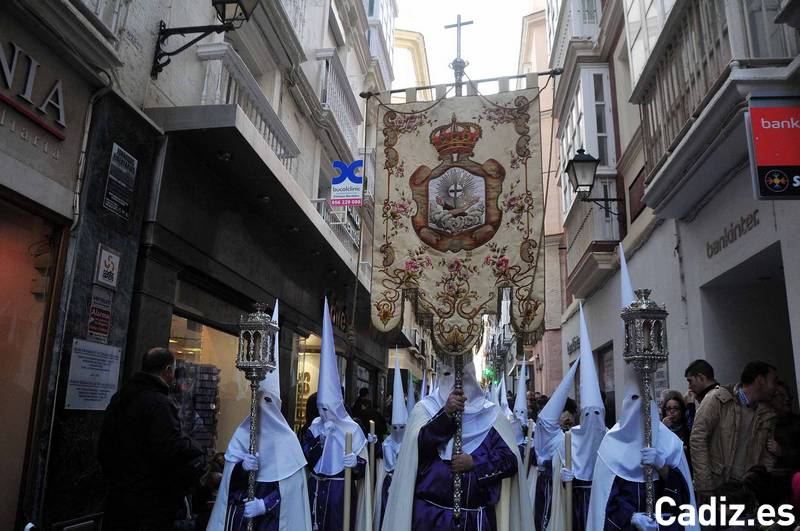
(76, 197)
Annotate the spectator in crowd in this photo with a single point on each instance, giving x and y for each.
(367, 413)
(362, 402)
(533, 407)
(731, 431)
(150, 465)
(785, 445)
(673, 415)
(311, 413)
(566, 421)
(700, 377)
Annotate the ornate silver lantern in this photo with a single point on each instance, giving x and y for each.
(258, 351)
(645, 349)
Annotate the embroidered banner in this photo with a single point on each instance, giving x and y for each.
(460, 188)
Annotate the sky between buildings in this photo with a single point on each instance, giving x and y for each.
(490, 44)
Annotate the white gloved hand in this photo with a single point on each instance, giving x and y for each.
(567, 475)
(254, 508)
(642, 522)
(652, 456)
(329, 426)
(250, 462)
(371, 438)
(350, 460)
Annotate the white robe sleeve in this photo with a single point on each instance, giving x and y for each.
(558, 518)
(217, 520)
(380, 475)
(363, 514)
(295, 513)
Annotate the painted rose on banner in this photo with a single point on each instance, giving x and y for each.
(466, 222)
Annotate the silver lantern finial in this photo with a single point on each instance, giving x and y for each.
(645, 349)
(255, 358)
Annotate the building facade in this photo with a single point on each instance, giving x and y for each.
(545, 357)
(144, 211)
(659, 92)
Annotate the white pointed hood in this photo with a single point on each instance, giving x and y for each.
(520, 412)
(626, 438)
(410, 394)
(479, 413)
(331, 407)
(587, 436)
(279, 451)
(424, 389)
(521, 400)
(548, 428)
(503, 403)
(626, 290)
(391, 445)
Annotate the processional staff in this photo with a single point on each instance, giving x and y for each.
(646, 349)
(257, 354)
(458, 66)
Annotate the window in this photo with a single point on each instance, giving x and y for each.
(644, 20)
(212, 395)
(589, 125)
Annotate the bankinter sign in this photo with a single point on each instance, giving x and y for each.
(775, 148)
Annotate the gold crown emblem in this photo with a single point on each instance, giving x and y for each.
(456, 137)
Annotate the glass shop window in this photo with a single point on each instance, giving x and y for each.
(28, 248)
(212, 395)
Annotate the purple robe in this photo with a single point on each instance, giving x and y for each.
(628, 497)
(237, 496)
(480, 487)
(544, 496)
(326, 493)
(580, 503)
(387, 481)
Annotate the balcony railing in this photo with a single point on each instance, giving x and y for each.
(338, 99)
(296, 12)
(229, 81)
(379, 52)
(343, 224)
(105, 15)
(692, 60)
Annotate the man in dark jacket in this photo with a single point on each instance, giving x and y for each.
(148, 463)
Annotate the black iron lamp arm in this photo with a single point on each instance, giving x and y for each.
(601, 202)
(162, 57)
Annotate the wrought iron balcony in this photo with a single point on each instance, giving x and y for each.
(339, 101)
(229, 81)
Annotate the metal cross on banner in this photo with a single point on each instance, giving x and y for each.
(458, 25)
(458, 63)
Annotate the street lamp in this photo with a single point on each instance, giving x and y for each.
(582, 172)
(231, 14)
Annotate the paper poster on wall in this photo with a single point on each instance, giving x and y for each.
(93, 375)
(120, 182)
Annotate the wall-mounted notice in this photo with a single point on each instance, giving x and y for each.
(93, 375)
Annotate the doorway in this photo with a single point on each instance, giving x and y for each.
(746, 318)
